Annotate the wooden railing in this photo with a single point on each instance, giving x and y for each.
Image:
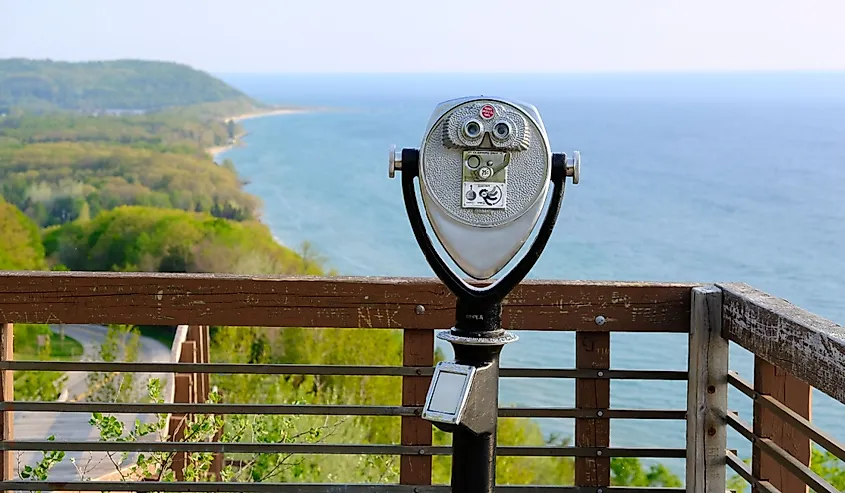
(191, 346)
(794, 351)
(809, 348)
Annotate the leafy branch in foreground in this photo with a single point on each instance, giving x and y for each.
(121, 343)
(198, 466)
(38, 472)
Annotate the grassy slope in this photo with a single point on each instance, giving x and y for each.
(61, 349)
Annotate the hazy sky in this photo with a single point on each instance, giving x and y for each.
(434, 35)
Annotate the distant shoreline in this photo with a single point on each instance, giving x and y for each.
(267, 112)
(215, 150)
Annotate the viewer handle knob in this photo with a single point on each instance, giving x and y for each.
(395, 162)
(573, 167)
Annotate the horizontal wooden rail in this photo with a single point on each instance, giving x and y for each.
(326, 410)
(735, 422)
(792, 464)
(789, 416)
(744, 472)
(784, 458)
(809, 347)
(398, 303)
(591, 413)
(335, 449)
(224, 487)
(280, 369)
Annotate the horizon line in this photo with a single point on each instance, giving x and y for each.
(570, 72)
(548, 73)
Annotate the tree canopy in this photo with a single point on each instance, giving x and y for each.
(163, 131)
(132, 238)
(54, 183)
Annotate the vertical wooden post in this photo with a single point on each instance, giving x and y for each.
(205, 357)
(592, 352)
(185, 393)
(7, 391)
(204, 382)
(189, 355)
(418, 350)
(195, 336)
(796, 395)
(707, 394)
(178, 422)
(199, 334)
(217, 462)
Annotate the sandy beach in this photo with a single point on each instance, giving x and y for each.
(214, 151)
(267, 112)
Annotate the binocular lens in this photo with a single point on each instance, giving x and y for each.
(472, 129)
(501, 130)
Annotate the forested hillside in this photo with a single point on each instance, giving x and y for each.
(45, 85)
(163, 131)
(54, 183)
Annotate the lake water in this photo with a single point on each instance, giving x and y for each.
(700, 178)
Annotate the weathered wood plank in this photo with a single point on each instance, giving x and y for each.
(188, 354)
(205, 378)
(219, 459)
(171, 299)
(418, 350)
(795, 394)
(186, 392)
(175, 350)
(199, 334)
(809, 347)
(177, 425)
(707, 394)
(7, 393)
(592, 352)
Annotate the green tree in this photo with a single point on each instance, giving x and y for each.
(629, 471)
(122, 343)
(149, 239)
(829, 467)
(84, 214)
(20, 241)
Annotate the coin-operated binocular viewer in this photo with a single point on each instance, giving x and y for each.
(485, 168)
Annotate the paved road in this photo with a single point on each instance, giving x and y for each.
(75, 426)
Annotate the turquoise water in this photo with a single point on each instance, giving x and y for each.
(684, 178)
